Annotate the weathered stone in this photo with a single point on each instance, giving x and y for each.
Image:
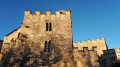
(99, 44)
(45, 40)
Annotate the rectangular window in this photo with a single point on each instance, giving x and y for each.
(45, 50)
(50, 27)
(49, 46)
(46, 26)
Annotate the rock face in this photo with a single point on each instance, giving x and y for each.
(45, 40)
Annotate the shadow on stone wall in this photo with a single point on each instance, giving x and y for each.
(109, 58)
(23, 56)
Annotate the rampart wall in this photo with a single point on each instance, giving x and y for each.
(109, 56)
(100, 44)
(85, 57)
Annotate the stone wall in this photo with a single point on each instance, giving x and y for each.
(33, 34)
(8, 39)
(61, 34)
(47, 39)
(85, 57)
(12, 35)
(100, 44)
(106, 60)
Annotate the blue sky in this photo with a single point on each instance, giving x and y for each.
(91, 19)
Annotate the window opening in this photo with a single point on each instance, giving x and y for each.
(49, 46)
(19, 35)
(45, 46)
(50, 27)
(46, 26)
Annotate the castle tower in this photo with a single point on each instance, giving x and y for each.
(52, 33)
(46, 40)
(49, 29)
(47, 34)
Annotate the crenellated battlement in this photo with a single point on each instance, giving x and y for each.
(85, 56)
(93, 40)
(100, 45)
(61, 12)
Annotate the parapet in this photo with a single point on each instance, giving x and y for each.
(65, 12)
(93, 40)
(84, 49)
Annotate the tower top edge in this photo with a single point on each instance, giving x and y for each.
(37, 12)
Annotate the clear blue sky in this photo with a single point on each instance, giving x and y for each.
(91, 19)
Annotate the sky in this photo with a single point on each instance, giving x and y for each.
(91, 19)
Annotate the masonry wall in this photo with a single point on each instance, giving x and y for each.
(100, 44)
(108, 57)
(34, 28)
(85, 57)
(9, 38)
(61, 29)
(32, 35)
(12, 35)
(61, 34)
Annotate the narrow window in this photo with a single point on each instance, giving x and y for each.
(50, 27)
(45, 50)
(19, 35)
(46, 26)
(49, 46)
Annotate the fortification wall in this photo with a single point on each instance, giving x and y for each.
(109, 56)
(85, 57)
(100, 44)
(12, 35)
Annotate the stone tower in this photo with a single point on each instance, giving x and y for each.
(48, 36)
(48, 29)
(46, 40)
